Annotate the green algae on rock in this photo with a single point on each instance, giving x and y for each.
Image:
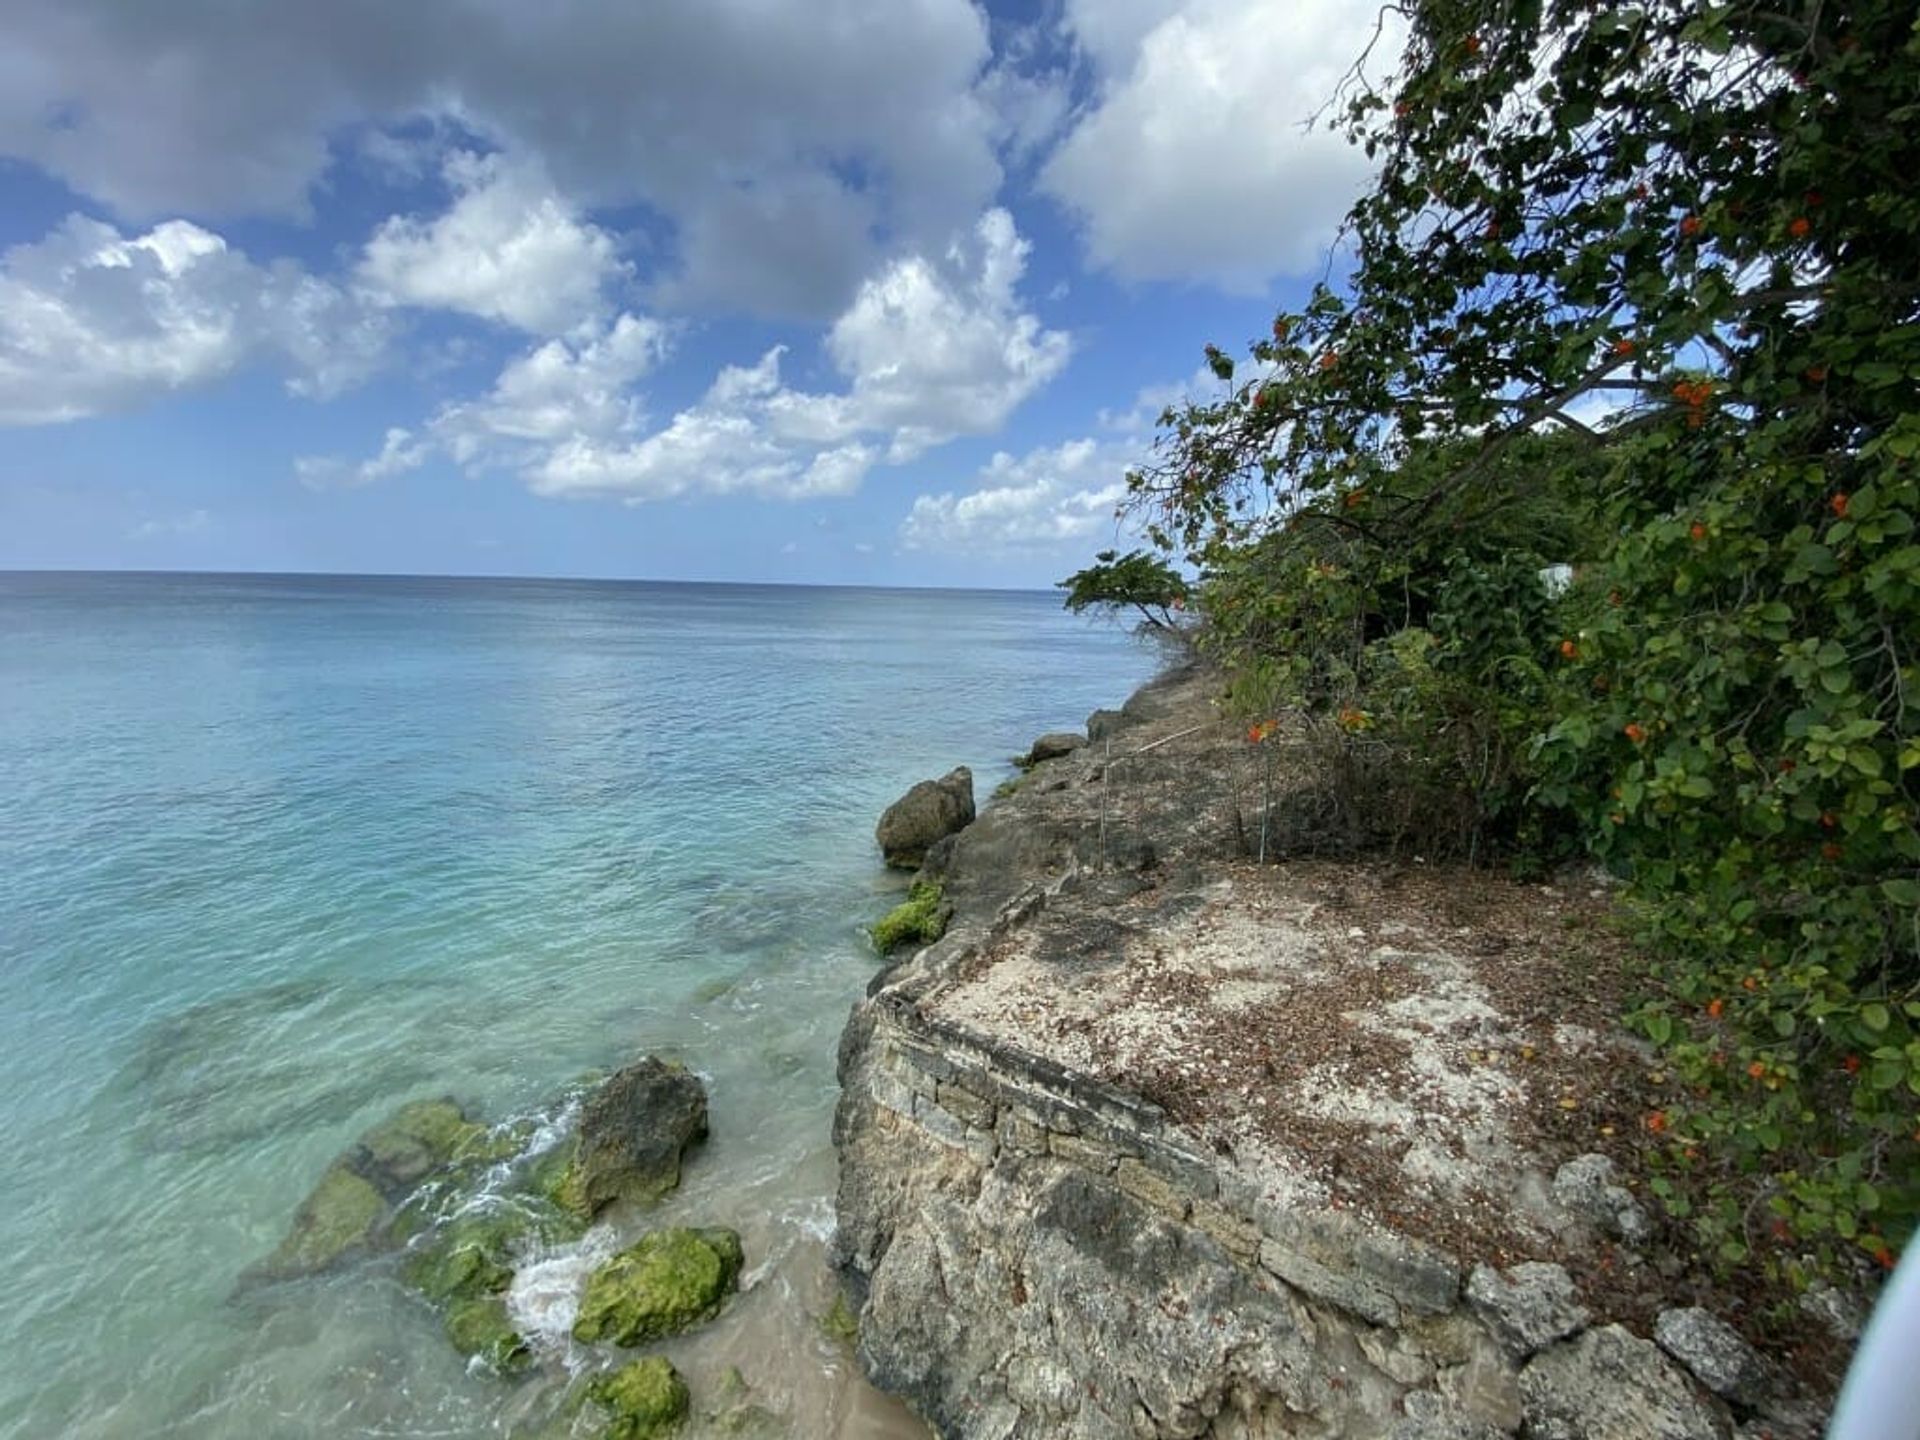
(669, 1281)
(920, 919)
(350, 1209)
(479, 1326)
(645, 1399)
(338, 1218)
(419, 1138)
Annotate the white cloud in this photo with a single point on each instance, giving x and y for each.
(1193, 162)
(400, 452)
(507, 249)
(929, 350)
(841, 125)
(1049, 498)
(93, 321)
(194, 522)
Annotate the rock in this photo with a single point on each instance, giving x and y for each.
(1053, 745)
(927, 813)
(668, 1282)
(643, 1399)
(1373, 1273)
(337, 1219)
(734, 1412)
(1588, 1186)
(1529, 1307)
(478, 1326)
(473, 1253)
(418, 1139)
(632, 1134)
(1430, 1417)
(1714, 1351)
(1611, 1385)
(1103, 724)
(1838, 1311)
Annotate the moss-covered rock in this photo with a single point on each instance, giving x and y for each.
(472, 1255)
(840, 1324)
(733, 1411)
(669, 1281)
(479, 1326)
(338, 1218)
(644, 1399)
(419, 1138)
(920, 919)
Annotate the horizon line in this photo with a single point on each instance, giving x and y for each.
(542, 579)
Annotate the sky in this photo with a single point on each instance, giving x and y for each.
(844, 291)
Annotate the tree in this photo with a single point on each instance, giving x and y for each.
(1137, 581)
(1687, 236)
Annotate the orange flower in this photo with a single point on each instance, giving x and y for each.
(1786, 767)
(1657, 1121)
(1817, 374)
(1750, 983)
(1473, 44)
(1884, 1256)
(1329, 360)
(1569, 650)
(1828, 820)
(1255, 734)
(1715, 1006)
(1697, 530)
(1354, 499)
(1831, 851)
(1690, 225)
(1838, 504)
(1623, 346)
(1757, 1070)
(1633, 732)
(1799, 228)
(1851, 1064)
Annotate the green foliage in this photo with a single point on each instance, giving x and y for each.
(1137, 581)
(920, 919)
(1702, 216)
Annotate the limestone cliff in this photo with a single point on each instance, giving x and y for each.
(1156, 1142)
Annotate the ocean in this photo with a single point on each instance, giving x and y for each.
(280, 853)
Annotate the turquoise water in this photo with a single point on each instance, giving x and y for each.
(280, 853)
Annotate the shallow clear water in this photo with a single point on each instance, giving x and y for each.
(279, 853)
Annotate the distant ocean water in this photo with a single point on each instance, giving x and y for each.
(280, 853)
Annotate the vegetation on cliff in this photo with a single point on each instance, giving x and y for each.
(1581, 518)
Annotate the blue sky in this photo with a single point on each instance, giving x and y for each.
(883, 292)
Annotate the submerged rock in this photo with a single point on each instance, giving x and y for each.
(337, 1219)
(634, 1130)
(479, 1326)
(419, 1139)
(930, 811)
(668, 1282)
(349, 1211)
(643, 1399)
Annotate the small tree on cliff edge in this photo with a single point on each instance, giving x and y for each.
(1699, 220)
(1135, 581)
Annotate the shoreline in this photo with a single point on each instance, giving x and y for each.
(1155, 1140)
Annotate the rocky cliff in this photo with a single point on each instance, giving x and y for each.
(1158, 1142)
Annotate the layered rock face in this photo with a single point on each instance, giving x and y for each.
(1155, 1143)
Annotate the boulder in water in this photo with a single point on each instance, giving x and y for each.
(337, 1219)
(930, 811)
(643, 1399)
(669, 1281)
(1052, 746)
(479, 1326)
(633, 1131)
